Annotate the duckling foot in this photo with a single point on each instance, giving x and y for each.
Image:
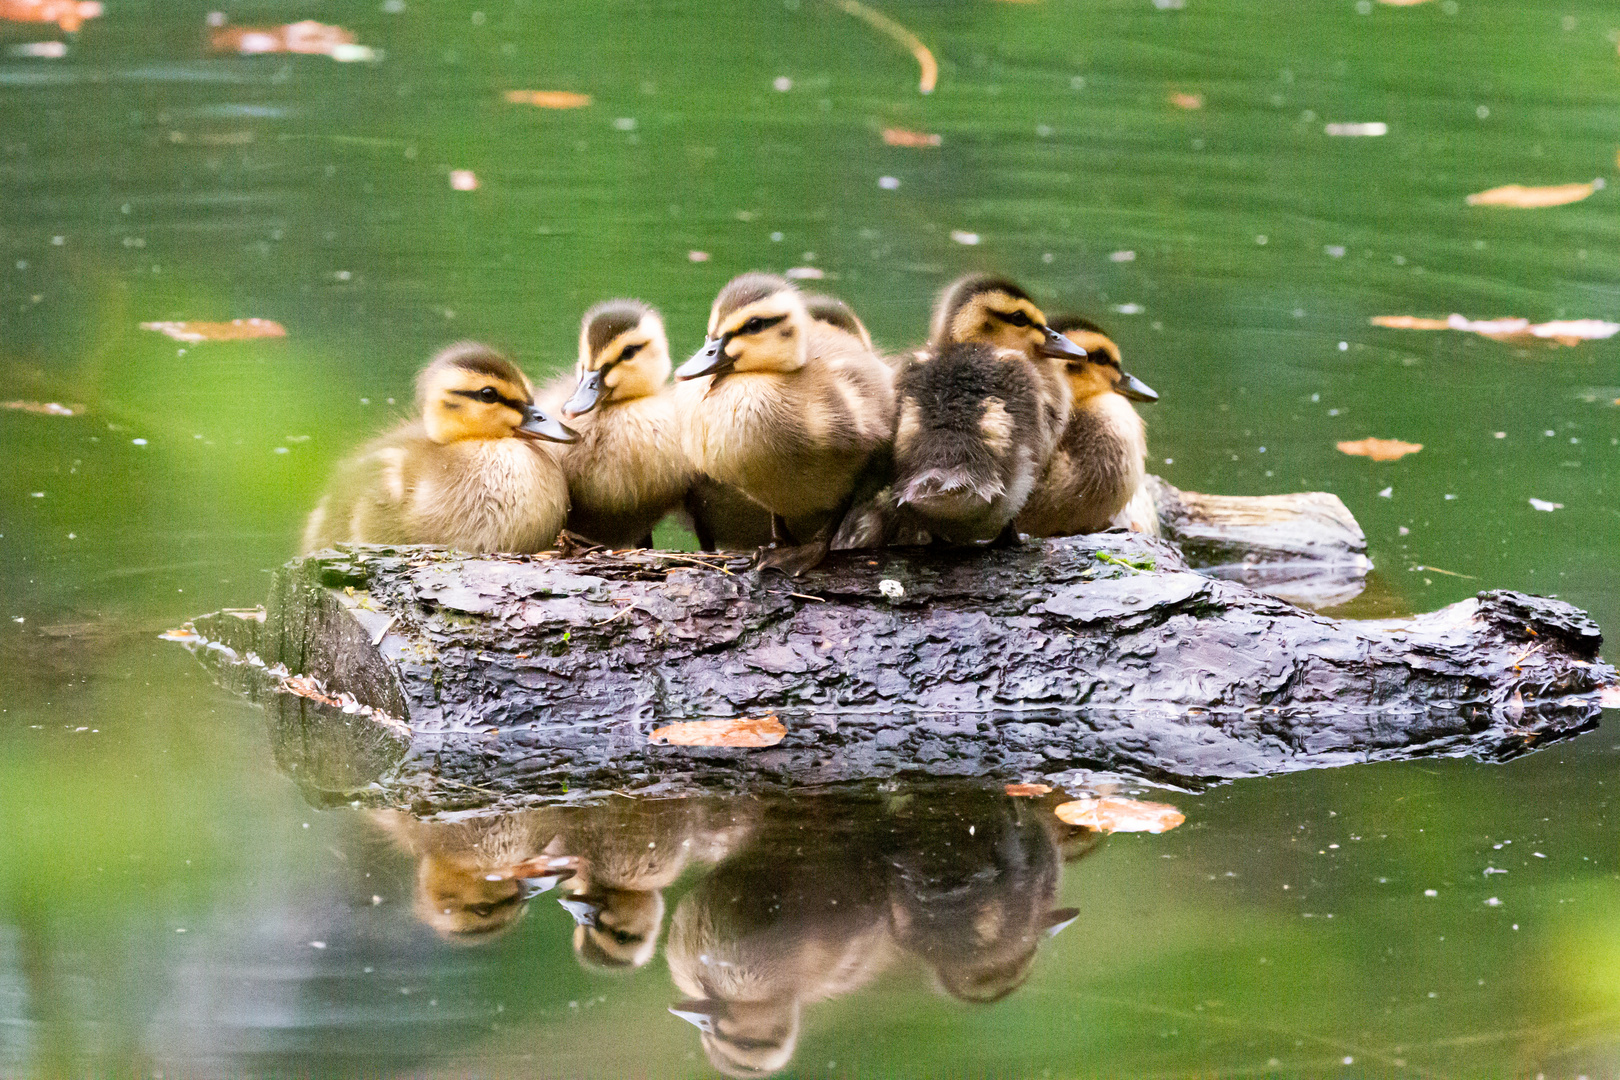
(794, 561)
(1009, 538)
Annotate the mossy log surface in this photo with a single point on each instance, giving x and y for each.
(423, 678)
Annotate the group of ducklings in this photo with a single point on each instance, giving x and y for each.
(787, 431)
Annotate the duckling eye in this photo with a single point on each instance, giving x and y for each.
(752, 326)
(489, 394)
(631, 350)
(1017, 318)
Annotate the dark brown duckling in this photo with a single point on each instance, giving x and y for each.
(970, 442)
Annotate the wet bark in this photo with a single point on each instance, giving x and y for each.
(418, 677)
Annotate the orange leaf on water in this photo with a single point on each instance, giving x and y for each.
(1530, 198)
(308, 37)
(905, 137)
(1410, 322)
(1380, 449)
(1518, 331)
(743, 731)
(1187, 101)
(68, 14)
(1029, 791)
(549, 99)
(43, 408)
(235, 330)
(1120, 815)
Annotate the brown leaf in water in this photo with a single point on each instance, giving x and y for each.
(549, 99)
(235, 330)
(1028, 791)
(307, 37)
(743, 731)
(1518, 331)
(68, 14)
(1380, 449)
(1120, 815)
(1531, 198)
(1187, 101)
(905, 137)
(43, 408)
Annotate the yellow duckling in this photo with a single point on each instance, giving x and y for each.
(723, 517)
(467, 474)
(1098, 466)
(627, 470)
(789, 410)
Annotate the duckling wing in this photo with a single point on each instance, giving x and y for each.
(365, 502)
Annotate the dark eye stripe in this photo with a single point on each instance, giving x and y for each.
(764, 324)
(510, 403)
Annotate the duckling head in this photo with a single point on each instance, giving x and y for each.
(1099, 371)
(834, 312)
(469, 391)
(623, 354)
(994, 310)
(745, 1038)
(616, 928)
(463, 903)
(758, 323)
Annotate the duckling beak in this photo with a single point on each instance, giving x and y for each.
(1135, 388)
(583, 911)
(532, 887)
(707, 360)
(539, 425)
(586, 395)
(1060, 920)
(1059, 347)
(700, 1014)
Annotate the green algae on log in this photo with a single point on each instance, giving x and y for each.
(421, 677)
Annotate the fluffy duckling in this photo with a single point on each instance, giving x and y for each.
(835, 313)
(474, 879)
(467, 474)
(981, 410)
(789, 410)
(627, 469)
(1099, 463)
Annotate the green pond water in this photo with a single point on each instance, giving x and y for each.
(170, 905)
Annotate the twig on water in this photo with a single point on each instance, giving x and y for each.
(883, 24)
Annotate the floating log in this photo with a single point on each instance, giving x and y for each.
(422, 678)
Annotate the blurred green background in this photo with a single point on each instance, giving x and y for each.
(1236, 251)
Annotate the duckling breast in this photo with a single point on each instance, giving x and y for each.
(492, 495)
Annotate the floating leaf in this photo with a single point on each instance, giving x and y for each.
(805, 273)
(1531, 198)
(743, 731)
(308, 37)
(1609, 697)
(1371, 129)
(68, 14)
(903, 137)
(1559, 332)
(180, 633)
(1543, 504)
(549, 99)
(697, 256)
(235, 330)
(1120, 815)
(961, 237)
(43, 408)
(1187, 101)
(1380, 449)
(463, 179)
(1029, 791)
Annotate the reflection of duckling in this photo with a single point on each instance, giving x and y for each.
(970, 441)
(474, 878)
(767, 933)
(790, 411)
(627, 469)
(975, 903)
(629, 851)
(466, 474)
(1098, 465)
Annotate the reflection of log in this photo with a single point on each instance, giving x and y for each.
(1305, 547)
(449, 679)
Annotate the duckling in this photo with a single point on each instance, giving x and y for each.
(475, 878)
(466, 474)
(970, 443)
(627, 470)
(790, 410)
(1098, 466)
(995, 311)
(835, 313)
